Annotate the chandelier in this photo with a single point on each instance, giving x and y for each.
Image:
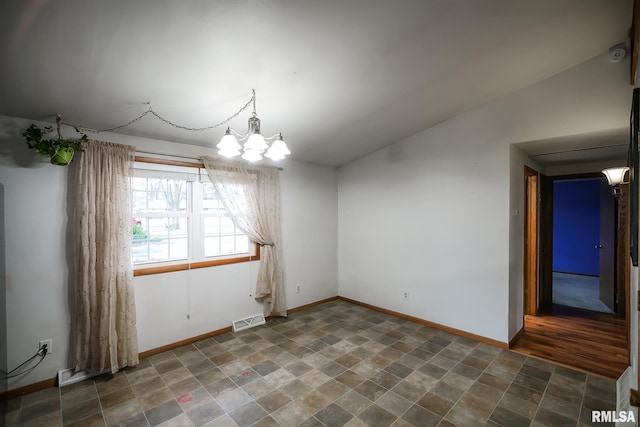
(253, 143)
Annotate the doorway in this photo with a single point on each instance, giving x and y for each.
(584, 244)
(548, 326)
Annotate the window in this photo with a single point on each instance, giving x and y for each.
(179, 222)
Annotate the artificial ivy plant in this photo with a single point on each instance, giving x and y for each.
(60, 150)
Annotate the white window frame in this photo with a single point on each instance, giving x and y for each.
(195, 177)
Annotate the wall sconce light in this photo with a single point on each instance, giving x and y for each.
(615, 178)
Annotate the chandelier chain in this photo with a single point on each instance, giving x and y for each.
(151, 111)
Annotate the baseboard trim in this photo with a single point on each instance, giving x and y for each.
(186, 341)
(434, 325)
(27, 389)
(311, 305)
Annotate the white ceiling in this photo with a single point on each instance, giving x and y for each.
(339, 78)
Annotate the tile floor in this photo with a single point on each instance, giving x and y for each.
(332, 365)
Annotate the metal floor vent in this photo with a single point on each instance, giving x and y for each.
(248, 322)
(70, 376)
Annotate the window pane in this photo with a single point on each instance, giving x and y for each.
(159, 195)
(211, 246)
(160, 239)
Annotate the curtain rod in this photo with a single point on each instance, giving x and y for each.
(199, 160)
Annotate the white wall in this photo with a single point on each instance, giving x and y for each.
(171, 306)
(433, 214)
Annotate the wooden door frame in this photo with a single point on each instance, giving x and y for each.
(531, 194)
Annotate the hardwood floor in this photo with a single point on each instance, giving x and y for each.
(589, 341)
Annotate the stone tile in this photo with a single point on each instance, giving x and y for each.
(233, 400)
(530, 382)
(353, 402)
(258, 388)
(81, 410)
(116, 398)
(433, 370)
(333, 415)
(527, 394)
(290, 415)
(273, 401)
(506, 418)
(371, 390)
(545, 417)
(245, 377)
(467, 371)
(141, 373)
(265, 368)
(122, 412)
(374, 416)
(447, 391)
(565, 392)
(270, 422)
(95, 420)
(498, 383)
(218, 388)
(298, 368)
(462, 416)
(39, 409)
(210, 376)
(144, 387)
(155, 398)
(313, 401)
(163, 413)
(176, 376)
(295, 389)
(398, 369)
(107, 383)
(197, 397)
(569, 410)
(248, 414)
(79, 392)
(394, 403)
(333, 389)
(168, 365)
(409, 390)
(349, 378)
(435, 403)
(518, 405)
(185, 386)
(314, 378)
(478, 404)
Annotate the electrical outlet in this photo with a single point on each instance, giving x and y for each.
(405, 295)
(297, 289)
(48, 343)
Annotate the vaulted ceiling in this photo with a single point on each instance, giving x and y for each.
(339, 78)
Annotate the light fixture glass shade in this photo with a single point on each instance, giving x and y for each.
(615, 176)
(255, 142)
(228, 142)
(251, 155)
(278, 149)
(228, 152)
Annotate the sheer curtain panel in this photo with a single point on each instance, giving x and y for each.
(252, 198)
(106, 335)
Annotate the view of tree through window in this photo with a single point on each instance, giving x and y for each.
(177, 217)
(160, 219)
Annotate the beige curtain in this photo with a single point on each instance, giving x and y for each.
(252, 198)
(106, 336)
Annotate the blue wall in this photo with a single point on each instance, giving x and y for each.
(576, 226)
